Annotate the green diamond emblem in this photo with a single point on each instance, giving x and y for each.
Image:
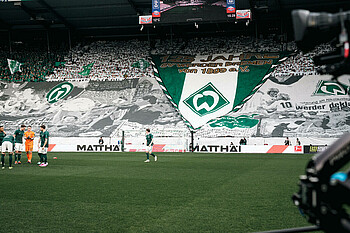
(206, 100)
(59, 92)
(331, 88)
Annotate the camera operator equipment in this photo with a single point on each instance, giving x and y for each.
(311, 29)
(324, 192)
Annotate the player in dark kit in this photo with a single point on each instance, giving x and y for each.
(2, 134)
(8, 144)
(149, 144)
(18, 135)
(43, 146)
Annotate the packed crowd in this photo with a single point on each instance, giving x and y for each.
(115, 60)
(37, 64)
(214, 45)
(112, 60)
(301, 64)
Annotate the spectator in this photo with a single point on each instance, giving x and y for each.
(241, 142)
(100, 141)
(37, 63)
(113, 60)
(287, 142)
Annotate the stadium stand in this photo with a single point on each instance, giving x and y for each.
(37, 63)
(301, 64)
(113, 60)
(212, 45)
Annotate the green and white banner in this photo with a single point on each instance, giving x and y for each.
(203, 88)
(59, 63)
(142, 64)
(305, 106)
(86, 69)
(14, 66)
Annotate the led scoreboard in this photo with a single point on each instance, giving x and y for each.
(181, 11)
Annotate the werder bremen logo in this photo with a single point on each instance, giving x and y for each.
(59, 92)
(206, 100)
(331, 88)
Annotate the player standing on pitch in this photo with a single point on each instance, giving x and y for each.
(18, 135)
(2, 135)
(149, 144)
(8, 144)
(29, 137)
(43, 145)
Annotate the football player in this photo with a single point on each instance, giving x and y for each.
(29, 137)
(149, 146)
(18, 135)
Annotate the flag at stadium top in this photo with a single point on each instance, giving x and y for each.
(58, 63)
(14, 66)
(204, 88)
(86, 70)
(142, 64)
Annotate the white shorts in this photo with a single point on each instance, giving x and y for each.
(19, 147)
(42, 150)
(7, 146)
(149, 149)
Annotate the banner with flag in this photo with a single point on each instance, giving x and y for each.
(142, 64)
(203, 88)
(14, 66)
(86, 69)
(58, 63)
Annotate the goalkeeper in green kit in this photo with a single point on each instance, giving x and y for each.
(149, 144)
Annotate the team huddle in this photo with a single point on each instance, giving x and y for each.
(13, 145)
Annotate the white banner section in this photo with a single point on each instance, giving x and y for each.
(204, 145)
(88, 144)
(265, 149)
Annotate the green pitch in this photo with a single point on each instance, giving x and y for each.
(118, 192)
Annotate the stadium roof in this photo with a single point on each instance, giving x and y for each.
(90, 16)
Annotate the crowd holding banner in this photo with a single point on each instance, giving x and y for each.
(236, 94)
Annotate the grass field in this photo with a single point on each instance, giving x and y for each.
(118, 192)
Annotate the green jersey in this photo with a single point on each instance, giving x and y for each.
(149, 138)
(19, 136)
(43, 136)
(2, 135)
(9, 138)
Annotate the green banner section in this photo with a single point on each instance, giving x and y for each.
(58, 63)
(253, 68)
(203, 88)
(142, 64)
(174, 80)
(14, 66)
(86, 69)
(242, 121)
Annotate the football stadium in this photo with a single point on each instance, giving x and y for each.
(175, 116)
